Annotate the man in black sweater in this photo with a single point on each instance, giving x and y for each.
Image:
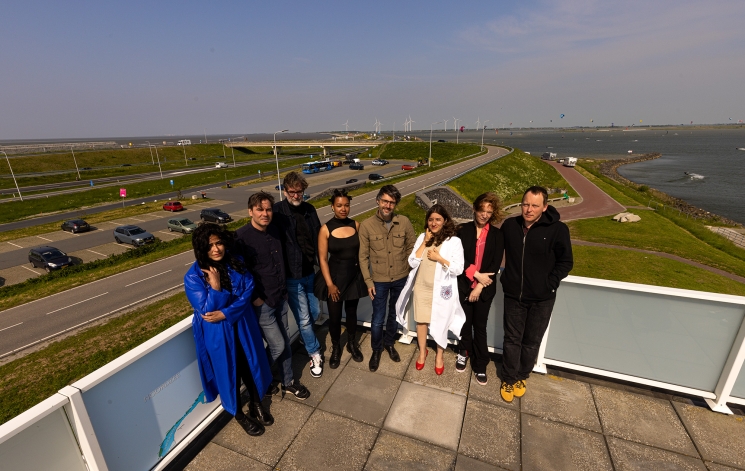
(538, 255)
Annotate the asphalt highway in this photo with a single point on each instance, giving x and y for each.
(24, 326)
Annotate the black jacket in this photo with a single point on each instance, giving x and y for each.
(489, 263)
(534, 269)
(287, 225)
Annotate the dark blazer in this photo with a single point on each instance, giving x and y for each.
(490, 263)
(285, 221)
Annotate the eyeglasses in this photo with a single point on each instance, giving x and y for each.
(294, 193)
(527, 205)
(387, 202)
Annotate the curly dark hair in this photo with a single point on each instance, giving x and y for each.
(448, 228)
(200, 240)
(496, 206)
(339, 194)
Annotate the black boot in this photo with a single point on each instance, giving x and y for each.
(260, 413)
(354, 348)
(392, 353)
(250, 425)
(335, 358)
(375, 360)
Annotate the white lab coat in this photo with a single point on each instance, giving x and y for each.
(447, 313)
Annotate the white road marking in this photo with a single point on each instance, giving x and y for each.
(79, 302)
(169, 233)
(6, 328)
(32, 271)
(97, 253)
(141, 220)
(11, 243)
(190, 263)
(144, 279)
(44, 238)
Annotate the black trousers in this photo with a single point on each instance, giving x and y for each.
(473, 333)
(335, 311)
(243, 371)
(524, 326)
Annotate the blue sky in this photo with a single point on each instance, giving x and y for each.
(91, 69)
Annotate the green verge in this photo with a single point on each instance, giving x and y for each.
(15, 210)
(508, 177)
(29, 380)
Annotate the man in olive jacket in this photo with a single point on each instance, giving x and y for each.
(386, 240)
(538, 255)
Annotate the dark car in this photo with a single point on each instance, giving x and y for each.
(215, 215)
(352, 180)
(134, 235)
(375, 176)
(356, 166)
(75, 226)
(173, 206)
(441, 140)
(48, 258)
(126, 165)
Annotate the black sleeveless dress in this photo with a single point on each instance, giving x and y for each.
(344, 264)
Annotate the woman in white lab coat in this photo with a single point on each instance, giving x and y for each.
(432, 286)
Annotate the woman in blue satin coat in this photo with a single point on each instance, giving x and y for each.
(226, 332)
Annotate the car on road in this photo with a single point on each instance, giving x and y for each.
(408, 167)
(75, 226)
(134, 235)
(221, 165)
(356, 166)
(126, 165)
(185, 226)
(441, 140)
(352, 180)
(375, 176)
(48, 258)
(173, 206)
(215, 215)
(380, 162)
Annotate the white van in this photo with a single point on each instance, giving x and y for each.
(221, 165)
(570, 161)
(184, 142)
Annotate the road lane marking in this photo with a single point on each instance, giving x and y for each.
(11, 243)
(144, 279)
(79, 302)
(6, 328)
(141, 220)
(32, 271)
(97, 253)
(44, 238)
(170, 233)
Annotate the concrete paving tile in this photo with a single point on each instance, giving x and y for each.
(550, 445)
(330, 442)
(216, 458)
(642, 419)
(427, 414)
(464, 463)
(394, 452)
(387, 367)
(491, 434)
(450, 380)
(317, 386)
(361, 395)
(720, 438)
(719, 467)
(490, 392)
(561, 400)
(630, 456)
(289, 418)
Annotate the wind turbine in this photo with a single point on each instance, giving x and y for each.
(478, 122)
(346, 127)
(410, 122)
(446, 123)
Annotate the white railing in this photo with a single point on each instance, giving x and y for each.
(139, 411)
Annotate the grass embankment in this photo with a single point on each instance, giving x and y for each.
(414, 151)
(407, 207)
(16, 210)
(95, 218)
(108, 162)
(509, 176)
(29, 380)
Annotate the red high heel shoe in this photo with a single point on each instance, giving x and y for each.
(420, 366)
(439, 370)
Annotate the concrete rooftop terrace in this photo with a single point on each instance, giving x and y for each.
(399, 418)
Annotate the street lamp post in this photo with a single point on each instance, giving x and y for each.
(156, 155)
(233, 153)
(184, 147)
(482, 134)
(75, 160)
(429, 161)
(276, 159)
(455, 121)
(151, 152)
(13, 175)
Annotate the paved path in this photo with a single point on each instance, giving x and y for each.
(399, 418)
(595, 202)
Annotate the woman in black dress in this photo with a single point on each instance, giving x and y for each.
(341, 283)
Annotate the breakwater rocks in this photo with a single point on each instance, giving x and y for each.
(609, 168)
(458, 208)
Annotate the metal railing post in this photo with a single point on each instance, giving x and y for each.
(731, 370)
(540, 366)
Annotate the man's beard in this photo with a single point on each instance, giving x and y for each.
(294, 202)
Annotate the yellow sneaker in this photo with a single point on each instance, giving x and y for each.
(519, 388)
(506, 391)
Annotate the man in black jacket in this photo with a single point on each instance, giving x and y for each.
(538, 255)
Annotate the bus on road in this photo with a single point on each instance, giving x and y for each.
(315, 167)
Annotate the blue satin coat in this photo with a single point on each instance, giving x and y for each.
(215, 342)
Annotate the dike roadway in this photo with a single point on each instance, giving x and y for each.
(37, 322)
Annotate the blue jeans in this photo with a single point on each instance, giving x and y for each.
(304, 306)
(273, 323)
(382, 290)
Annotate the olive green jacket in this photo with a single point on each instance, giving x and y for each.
(384, 254)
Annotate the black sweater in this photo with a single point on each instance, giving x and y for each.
(535, 263)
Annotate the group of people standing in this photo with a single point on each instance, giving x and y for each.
(241, 282)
